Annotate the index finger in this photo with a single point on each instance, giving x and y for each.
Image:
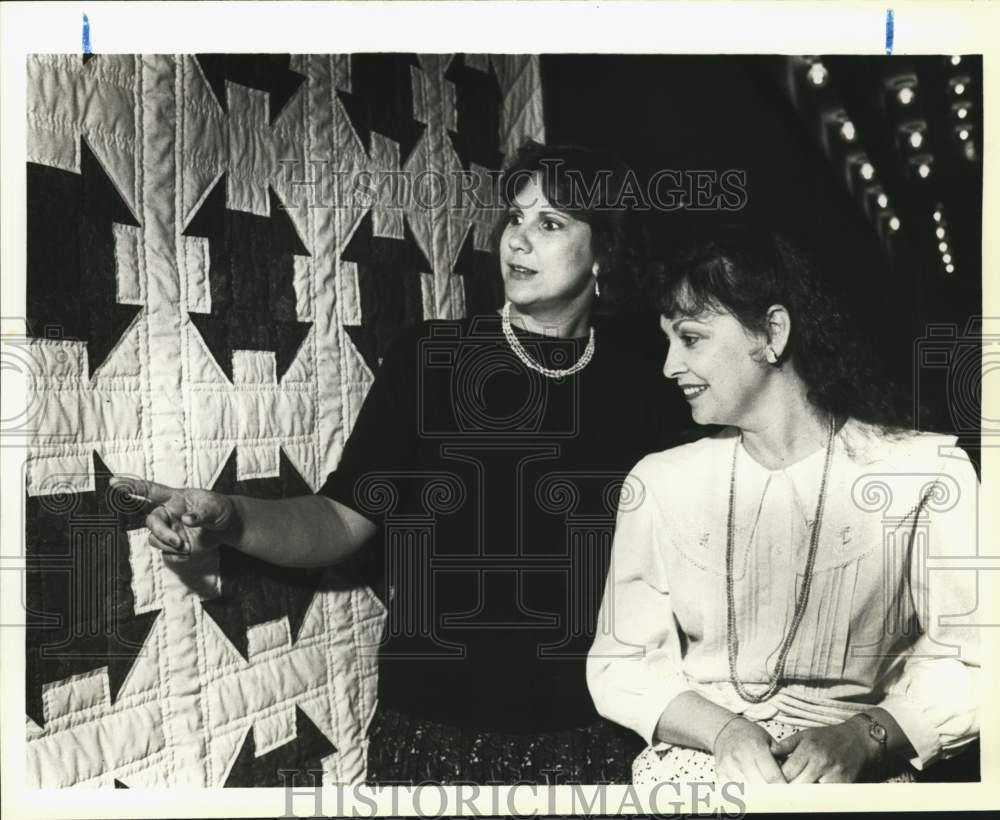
(793, 766)
(148, 491)
(768, 767)
(783, 748)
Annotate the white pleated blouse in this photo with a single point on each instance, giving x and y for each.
(886, 622)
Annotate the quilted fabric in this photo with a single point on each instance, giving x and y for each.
(203, 314)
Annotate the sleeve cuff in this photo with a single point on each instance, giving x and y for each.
(648, 730)
(918, 731)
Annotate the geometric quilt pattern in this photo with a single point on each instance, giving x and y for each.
(218, 253)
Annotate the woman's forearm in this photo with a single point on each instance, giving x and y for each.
(309, 531)
(692, 720)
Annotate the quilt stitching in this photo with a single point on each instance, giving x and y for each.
(67, 127)
(305, 414)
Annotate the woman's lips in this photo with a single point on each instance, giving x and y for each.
(692, 391)
(520, 272)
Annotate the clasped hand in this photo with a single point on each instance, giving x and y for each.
(745, 752)
(183, 522)
(828, 754)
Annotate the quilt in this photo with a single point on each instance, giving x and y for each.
(218, 253)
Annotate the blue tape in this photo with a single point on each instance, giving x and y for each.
(86, 35)
(889, 32)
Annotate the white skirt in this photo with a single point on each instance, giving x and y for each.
(681, 764)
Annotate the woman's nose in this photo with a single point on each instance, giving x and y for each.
(674, 365)
(517, 238)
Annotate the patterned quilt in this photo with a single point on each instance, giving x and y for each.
(217, 257)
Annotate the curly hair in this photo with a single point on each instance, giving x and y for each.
(745, 270)
(593, 186)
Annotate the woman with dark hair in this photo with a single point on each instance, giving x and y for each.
(483, 472)
(590, 186)
(774, 617)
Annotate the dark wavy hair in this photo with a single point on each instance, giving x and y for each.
(591, 185)
(744, 270)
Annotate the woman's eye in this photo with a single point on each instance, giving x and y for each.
(551, 224)
(513, 218)
(689, 340)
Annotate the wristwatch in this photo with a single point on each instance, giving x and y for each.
(877, 732)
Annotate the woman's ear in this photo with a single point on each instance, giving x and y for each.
(779, 328)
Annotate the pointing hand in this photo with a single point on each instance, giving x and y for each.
(183, 522)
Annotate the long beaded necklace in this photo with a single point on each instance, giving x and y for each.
(525, 357)
(732, 639)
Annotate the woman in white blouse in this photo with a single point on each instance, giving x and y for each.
(772, 612)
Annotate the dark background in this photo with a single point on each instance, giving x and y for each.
(758, 114)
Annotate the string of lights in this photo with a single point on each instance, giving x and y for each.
(808, 81)
(899, 130)
(941, 235)
(959, 88)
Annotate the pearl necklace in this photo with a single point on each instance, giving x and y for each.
(732, 639)
(525, 357)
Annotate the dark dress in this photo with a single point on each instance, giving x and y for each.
(495, 491)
